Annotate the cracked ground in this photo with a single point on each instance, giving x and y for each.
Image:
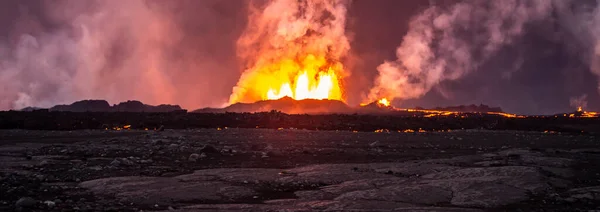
(297, 170)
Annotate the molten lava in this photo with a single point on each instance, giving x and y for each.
(317, 85)
(311, 77)
(384, 102)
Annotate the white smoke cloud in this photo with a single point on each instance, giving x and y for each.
(448, 43)
(115, 50)
(580, 101)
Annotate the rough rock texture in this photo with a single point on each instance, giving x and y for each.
(343, 186)
(302, 171)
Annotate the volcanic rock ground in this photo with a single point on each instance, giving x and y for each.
(297, 170)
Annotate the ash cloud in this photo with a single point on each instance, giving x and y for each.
(154, 51)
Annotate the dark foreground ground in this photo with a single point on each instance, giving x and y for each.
(297, 170)
(274, 120)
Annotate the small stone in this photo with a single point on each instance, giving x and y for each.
(49, 203)
(43, 163)
(25, 202)
(203, 155)
(173, 146)
(95, 168)
(193, 157)
(171, 208)
(146, 161)
(264, 155)
(157, 142)
(126, 162)
(209, 149)
(115, 162)
(373, 144)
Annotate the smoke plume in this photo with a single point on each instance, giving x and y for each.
(579, 102)
(446, 43)
(287, 31)
(113, 50)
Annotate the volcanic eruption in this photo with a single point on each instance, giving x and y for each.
(293, 49)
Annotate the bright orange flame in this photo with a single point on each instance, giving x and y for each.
(309, 78)
(384, 102)
(323, 87)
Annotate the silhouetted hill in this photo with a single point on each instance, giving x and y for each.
(84, 106)
(103, 106)
(285, 105)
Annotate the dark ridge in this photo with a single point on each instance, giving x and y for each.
(103, 106)
(285, 105)
(471, 109)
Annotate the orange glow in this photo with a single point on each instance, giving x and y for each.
(325, 86)
(384, 102)
(309, 78)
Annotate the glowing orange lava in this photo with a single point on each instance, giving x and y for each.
(384, 102)
(324, 86)
(309, 78)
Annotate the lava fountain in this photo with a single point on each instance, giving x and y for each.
(293, 49)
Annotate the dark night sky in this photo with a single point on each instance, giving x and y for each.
(538, 74)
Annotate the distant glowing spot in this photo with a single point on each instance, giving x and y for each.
(384, 102)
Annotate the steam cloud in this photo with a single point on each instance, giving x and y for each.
(113, 50)
(288, 29)
(447, 43)
(580, 101)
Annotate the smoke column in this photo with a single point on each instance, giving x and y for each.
(280, 30)
(116, 50)
(579, 101)
(445, 43)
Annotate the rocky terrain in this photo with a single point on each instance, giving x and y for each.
(298, 170)
(43, 120)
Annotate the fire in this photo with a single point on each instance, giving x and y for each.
(308, 83)
(293, 49)
(312, 77)
(384, 102)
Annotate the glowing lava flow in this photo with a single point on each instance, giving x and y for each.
(322, 86)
